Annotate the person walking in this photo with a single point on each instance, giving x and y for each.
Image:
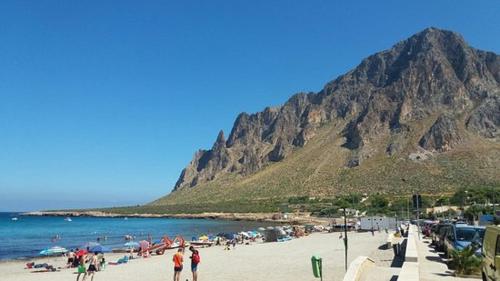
(195, 260)
(81, 268)
(178, 260)
(92, 266)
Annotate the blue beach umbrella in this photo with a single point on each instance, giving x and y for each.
(100, 249)
(229, 235)
(53, 251)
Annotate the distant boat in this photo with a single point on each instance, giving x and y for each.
(14, 219)
(125, 218)
(68, 219)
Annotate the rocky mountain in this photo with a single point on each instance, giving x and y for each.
(430, 97)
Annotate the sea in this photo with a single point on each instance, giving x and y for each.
(28, 235)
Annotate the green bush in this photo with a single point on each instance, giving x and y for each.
(465, 261)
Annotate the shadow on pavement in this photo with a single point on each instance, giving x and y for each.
(399, 259)
(435, 259)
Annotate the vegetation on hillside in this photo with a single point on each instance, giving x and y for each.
(479, 201)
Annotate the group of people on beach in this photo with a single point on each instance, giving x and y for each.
(178, 260)
(96, 262)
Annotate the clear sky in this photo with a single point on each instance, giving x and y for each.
(103, 103)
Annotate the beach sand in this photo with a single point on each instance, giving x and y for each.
(261, 261)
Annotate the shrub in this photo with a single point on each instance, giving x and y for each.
(465, 261)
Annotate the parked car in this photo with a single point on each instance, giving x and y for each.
(427, 227)
(440, 236)
(435, 230)
(491, 254)
(460, 236)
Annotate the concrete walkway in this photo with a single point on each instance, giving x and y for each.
(386, 267)
(431, 266)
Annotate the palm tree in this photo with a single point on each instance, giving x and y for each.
(465, 261)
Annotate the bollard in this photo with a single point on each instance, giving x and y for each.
(317, 267)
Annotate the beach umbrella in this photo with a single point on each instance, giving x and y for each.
(100, 249)
(80, 253)
(131, 244)
(53, 251)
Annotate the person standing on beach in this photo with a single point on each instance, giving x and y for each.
(178, 260)
(81, 268)
(92, 266)
(195, 260)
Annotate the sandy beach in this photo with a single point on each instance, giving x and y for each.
(261, 261)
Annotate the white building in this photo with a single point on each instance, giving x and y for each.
(376, 222)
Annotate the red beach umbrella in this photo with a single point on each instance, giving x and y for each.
(80, 253)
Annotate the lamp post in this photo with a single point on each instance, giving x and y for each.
(345, 239)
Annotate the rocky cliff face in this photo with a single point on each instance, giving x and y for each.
(433, 73)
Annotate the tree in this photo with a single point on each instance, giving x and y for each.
(465, 261)
(459, 197)
(475, 211)
(379, 202)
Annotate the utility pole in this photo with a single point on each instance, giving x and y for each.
(408, 208)
(345, 238)
(494, 203)
(418, 215)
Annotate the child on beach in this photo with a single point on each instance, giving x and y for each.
(195, 260)
(81, 268)
(178, 260)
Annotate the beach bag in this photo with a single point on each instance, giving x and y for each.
(196, 258)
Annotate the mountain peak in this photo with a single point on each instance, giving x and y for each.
(432, 37)
(221, 140)
(372, 107)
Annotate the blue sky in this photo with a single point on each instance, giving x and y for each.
(102, 103)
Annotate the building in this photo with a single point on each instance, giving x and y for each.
(377, 222)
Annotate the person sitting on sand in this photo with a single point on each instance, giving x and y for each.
(100, 258)
(178, 260)
(71, 257)
(195, 260)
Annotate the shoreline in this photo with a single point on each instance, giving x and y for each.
(297, 219)
(289, 260)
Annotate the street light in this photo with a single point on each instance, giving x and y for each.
(345, 239)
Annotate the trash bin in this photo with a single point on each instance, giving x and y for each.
(317, 266)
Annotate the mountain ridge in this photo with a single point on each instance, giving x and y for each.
(427, 95)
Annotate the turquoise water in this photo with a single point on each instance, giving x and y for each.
(27, 236)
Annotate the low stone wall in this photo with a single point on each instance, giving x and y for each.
(410, 271)
(357, 267)
(411, 246)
